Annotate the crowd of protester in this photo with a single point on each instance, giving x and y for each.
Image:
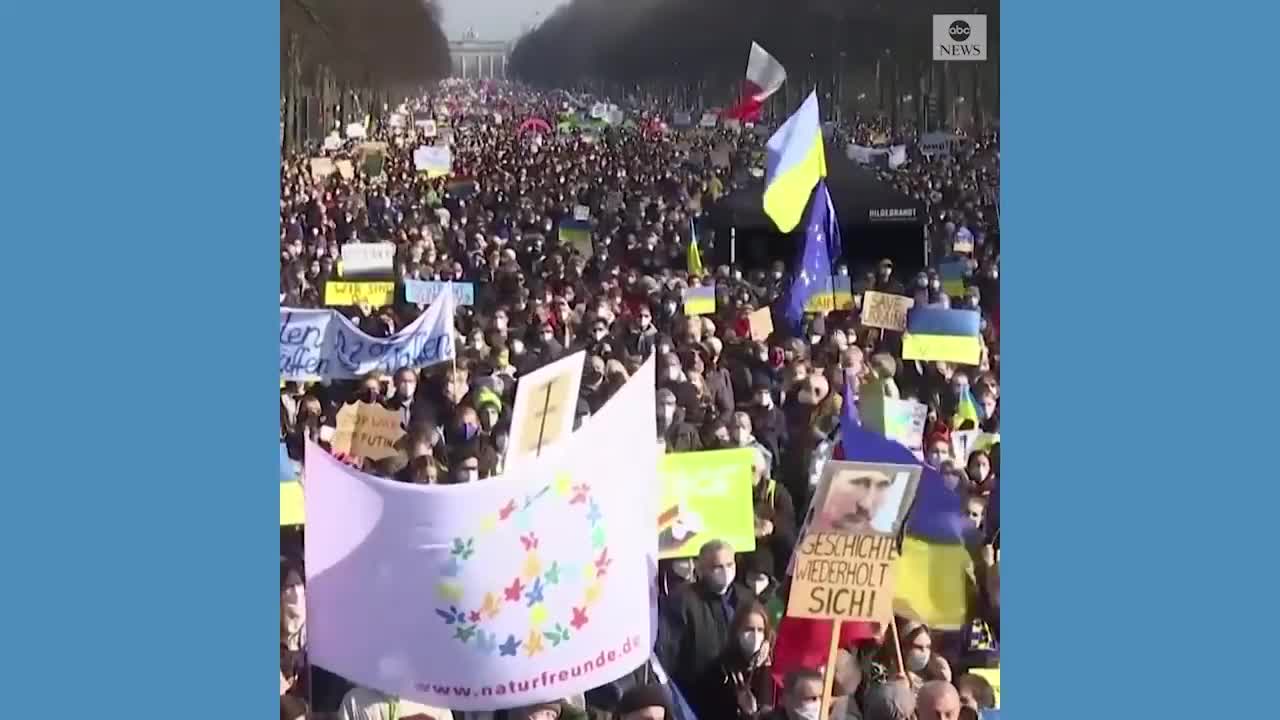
(495, 222)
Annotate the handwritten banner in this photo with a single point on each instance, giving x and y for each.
(425, 292)
(843, 577)
(375, 294)
(885, 310)
(323, 345)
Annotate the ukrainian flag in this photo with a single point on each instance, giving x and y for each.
(932, 574)
(700, 300)
(695, 256)
(796, 161)
(576, 234)
(952, 275)
(967, 409)
(941, 334)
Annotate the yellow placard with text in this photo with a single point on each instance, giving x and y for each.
(375, 294)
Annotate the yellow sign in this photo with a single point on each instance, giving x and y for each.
(761, 324)
(991, 675)
(376, 294)
(291, 503)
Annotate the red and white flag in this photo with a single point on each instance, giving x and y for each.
(764, 76)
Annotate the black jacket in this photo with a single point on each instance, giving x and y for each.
(692, 634)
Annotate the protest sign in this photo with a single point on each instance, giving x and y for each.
(527, 588)
(576, 234)
(291, 511)
(991, 675)
(936, 143)
(953, 273)
(367, 259)
(705, 496)
(434, 160)
(324, 345)
(700, 300)
(942, 334)
(374, 294)
(332, 142)
(396, 120)
(322, 168)
(733, 124)
(373, 158)
(863, 498)
(367, 430)
(681, 119)
(544, 409)
(581, 212)
(963, 241)
(834, 293)
(843, 577)
(599, 110)
(885, 310)
(345, 169)
(899, 420)
(425, 292)
(761, 324)
(708, 120)
(355, 131)
(966, 442)
(427, 128)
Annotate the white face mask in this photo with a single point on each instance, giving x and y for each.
(807, 711)
(917, 660)
(751, 641)
(760, 584)
(667, 412)
(720, 579)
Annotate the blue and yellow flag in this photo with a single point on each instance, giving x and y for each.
(795, 162)
(941, 334)
(812, 285)
(967, 409)
(695, 256)
(700, 300)
(931, 577)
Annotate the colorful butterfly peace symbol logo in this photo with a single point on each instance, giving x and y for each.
(513, 617)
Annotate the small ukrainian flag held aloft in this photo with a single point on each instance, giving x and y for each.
(695, 256)
(795, 162)
(942, 334)
(700, 300)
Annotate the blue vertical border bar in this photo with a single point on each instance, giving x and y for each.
(140, 524)
(1139, 178)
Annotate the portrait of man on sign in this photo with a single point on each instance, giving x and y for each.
(864, 498)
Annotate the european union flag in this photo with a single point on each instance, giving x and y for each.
(812, 282)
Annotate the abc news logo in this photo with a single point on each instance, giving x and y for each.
(959, 37)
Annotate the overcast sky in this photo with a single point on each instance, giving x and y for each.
(493, 19)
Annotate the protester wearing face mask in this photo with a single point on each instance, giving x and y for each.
(696, 621)
(744, 689)
(406, 388)
(769, 424)
(801, 697)
(775, 513)
(678, 435)
(916, 648)
(641, 339)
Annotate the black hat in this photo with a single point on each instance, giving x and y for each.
(643, 696)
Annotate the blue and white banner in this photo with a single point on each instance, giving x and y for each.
(425, 292)
(324, 345)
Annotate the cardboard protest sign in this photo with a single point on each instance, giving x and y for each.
(463, 590)
(546, 402)
(936, 143)
(367, 430)
(424, 292)
(367, 259)
(373, 158)
(953, 273)
(355, 131)
(733, 124)
(708, 120)
(345, 169)
(885, 310)
(704, 496)
(322, 168)
(963, 241)
(838, 297)
(374, 294)
(860, 498)
(843, 577)
(581, 212)
(761, 324)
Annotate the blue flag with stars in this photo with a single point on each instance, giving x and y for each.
(813, 273)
